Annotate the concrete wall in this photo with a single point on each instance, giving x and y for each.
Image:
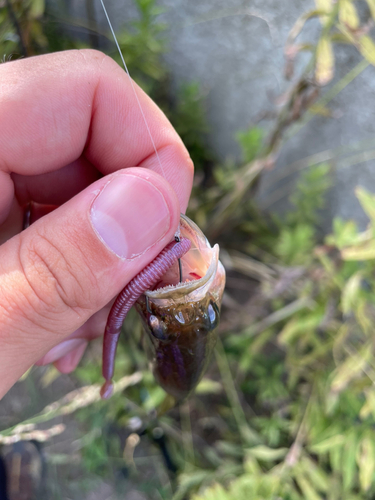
(234, 48)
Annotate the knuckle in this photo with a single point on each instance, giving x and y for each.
(189, 167)
(179, 151)
(92, 55)
(98, 59)
(59, 283)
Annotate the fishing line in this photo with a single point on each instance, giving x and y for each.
(177, 239)
(177, 235)
(132, 86)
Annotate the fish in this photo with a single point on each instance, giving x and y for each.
(179, 307)
(181, 318)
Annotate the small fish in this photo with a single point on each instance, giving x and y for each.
(179, 316)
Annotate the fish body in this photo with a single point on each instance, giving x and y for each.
(181, 318)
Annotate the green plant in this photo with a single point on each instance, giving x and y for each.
(29, 28)
(309, 378)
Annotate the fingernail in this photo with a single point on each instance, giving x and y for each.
(60, 350)
(129, 215)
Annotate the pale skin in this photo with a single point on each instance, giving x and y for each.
(72, 136)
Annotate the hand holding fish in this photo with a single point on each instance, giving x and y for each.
(72, 143)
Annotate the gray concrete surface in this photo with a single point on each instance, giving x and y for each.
(234, 48)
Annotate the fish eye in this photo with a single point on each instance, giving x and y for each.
(213, 315)
(157, 327)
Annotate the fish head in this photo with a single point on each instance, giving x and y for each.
(181, 317)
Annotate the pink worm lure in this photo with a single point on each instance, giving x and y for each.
(145, 280)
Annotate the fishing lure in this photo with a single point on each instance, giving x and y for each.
(180, 316)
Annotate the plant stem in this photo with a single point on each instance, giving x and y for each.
(93, 25)
(249, 435)
(73, 401)
(187, 435)
(327, 97)
(17, 26)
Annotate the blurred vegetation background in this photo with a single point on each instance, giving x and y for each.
(287, 407)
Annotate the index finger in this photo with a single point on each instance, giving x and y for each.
(56, 107)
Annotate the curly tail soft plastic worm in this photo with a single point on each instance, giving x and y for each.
(144, 281)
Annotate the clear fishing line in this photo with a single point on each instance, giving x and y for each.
(132, 85)
(177, 234)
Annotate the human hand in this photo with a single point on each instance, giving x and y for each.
(66, 119)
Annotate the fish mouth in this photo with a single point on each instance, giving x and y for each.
(200, 266)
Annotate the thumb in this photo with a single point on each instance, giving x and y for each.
(69, 264)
